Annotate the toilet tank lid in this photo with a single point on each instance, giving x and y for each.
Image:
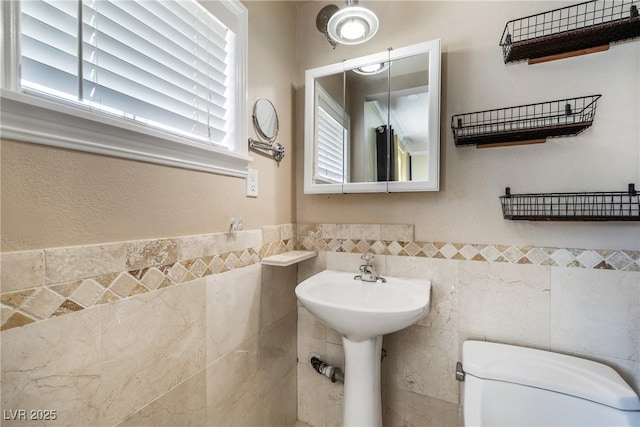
(550, 371)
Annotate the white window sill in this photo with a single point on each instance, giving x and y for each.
(30, 119)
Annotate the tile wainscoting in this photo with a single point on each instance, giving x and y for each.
(41, 284)
(194, 331)
(382, 239)
(185, 331)
(584, 302)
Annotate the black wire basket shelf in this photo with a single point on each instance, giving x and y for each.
(524, 124)
(595, 206)
(569, 31)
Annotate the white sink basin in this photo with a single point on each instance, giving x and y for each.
(362, 310)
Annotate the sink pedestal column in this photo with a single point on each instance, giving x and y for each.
(362, 397)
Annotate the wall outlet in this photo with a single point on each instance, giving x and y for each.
(252, 183)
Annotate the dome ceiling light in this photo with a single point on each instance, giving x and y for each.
(351, 25)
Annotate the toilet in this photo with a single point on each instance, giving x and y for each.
(505, 385)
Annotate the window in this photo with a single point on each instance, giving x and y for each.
(332, 140)
(161, 81)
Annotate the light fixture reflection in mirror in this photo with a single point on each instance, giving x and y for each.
(368, 70)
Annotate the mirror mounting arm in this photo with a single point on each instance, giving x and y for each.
(276, 149)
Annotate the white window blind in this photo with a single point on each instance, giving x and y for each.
(332, 133)
(169, 64)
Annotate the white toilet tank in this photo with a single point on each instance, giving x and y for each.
(506, 385)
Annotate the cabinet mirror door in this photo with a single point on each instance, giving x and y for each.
(372, 123)
(367, 100)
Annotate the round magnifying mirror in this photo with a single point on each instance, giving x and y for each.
(265, 119)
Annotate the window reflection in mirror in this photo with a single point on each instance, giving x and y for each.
(332, 131)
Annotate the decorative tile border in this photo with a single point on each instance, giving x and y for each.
(53, 282)
(41, 284)
(322, 237)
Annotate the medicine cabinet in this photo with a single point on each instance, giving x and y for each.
(372, 124)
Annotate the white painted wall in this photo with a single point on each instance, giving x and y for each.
(606, 157)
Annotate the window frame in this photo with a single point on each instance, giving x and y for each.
(44, 121)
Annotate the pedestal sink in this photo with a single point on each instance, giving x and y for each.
(362, 312)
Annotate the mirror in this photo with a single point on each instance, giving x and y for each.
(372, 124)
(265, 119)
(265, 122)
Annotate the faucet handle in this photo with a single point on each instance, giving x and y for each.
(367, 257)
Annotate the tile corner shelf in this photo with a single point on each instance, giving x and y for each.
(585, 206)
(570, 31)
(288, 258)
(524, 124)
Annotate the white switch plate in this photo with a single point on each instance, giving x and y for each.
(252, 183)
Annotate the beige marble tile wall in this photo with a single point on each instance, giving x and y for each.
(210, 348)
(573, 301)
(40, 284)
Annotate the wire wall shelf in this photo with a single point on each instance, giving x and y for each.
(569, 31)
(524, 124)
(598, 206)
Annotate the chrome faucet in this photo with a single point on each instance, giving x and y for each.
(367, 271)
